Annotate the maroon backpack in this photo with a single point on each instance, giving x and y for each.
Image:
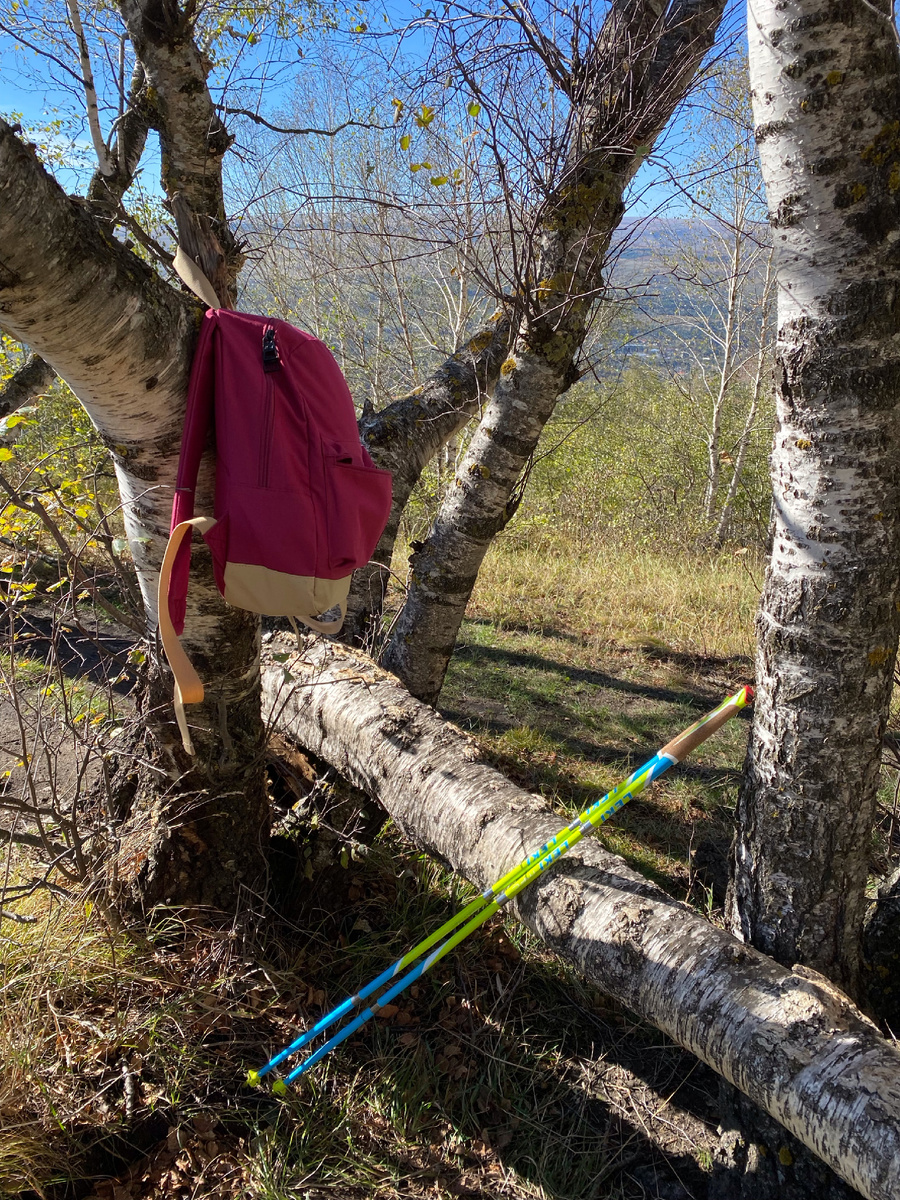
(298, 503)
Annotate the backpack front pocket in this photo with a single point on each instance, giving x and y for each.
(357, 506)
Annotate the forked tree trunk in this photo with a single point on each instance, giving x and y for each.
(642, 63)
(826, 98)
(789, 1040)
(193, 832)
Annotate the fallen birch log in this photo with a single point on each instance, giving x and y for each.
(791, 1041)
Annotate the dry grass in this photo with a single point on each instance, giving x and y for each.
(126, 1062)
(124, 1054)
(699, 604)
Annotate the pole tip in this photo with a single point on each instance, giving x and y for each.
(280, 1088)
(253, 1078)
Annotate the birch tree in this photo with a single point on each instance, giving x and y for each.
(826, 97)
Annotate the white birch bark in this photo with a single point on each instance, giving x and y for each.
(826, 96)
(104, 159)
(789, 1040)
(404, 436)
(193, 139)
(32, 378)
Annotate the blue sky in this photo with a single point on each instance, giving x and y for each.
(26, 87)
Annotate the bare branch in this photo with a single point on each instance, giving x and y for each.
(32, 378)
(246, 112)
(34, 840)
(107, 164)
(19, 918)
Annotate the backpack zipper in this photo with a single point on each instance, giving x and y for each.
(271, 363)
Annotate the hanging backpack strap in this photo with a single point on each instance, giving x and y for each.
(188, 688)
(320, 626)
(190, 274)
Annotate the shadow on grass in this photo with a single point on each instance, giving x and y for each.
(504, 659)
(511, 1088)
(649, 647)
(548, 725)
(81, 654)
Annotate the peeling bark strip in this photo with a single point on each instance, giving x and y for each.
(826, 98)
(794, 1044)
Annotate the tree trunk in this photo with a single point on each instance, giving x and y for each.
(881, 946)
(760, 378)
(789, 1040)
(826, 95)
(613, 128)
(403, 437)
(32, 378)
(730, 334)
(122, 339)
(192, 138)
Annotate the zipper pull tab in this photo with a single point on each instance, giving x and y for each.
(271, 361)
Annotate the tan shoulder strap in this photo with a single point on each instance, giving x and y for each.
(321, 626)
(188, 688)
(190, 274)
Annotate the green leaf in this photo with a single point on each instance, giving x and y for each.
(19, 418)
(425, 116)
(118, 545)
(404, 141)
(440, 180)
(473, 110)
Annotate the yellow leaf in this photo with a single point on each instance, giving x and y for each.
(404, 141)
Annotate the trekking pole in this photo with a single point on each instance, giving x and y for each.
(483, 907)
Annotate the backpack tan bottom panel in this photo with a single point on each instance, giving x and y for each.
(277, 594)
